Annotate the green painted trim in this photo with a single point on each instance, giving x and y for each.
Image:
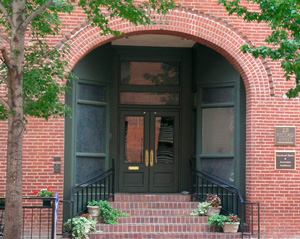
(216, 156)
(219, 105)
(91, 155)
(68, 152)
(88, 102)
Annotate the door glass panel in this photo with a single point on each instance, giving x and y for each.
(87, 168)
(218, 130)
(164, 140)
(91, 129)
(218, 95)
(134, 139)
(223, 168)
(149, 73)
(149, 98)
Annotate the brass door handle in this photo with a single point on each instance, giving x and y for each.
(151, 158)
(147, 158)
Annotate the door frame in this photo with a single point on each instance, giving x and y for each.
(148, 174)
(186, 107)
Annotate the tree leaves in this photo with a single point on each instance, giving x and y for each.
(45, 68)
(283, 18)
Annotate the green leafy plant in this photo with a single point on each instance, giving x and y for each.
(80, 227)
(219, 220)
(93, 203)
(109, 214)
(202, 209)
(214, 200)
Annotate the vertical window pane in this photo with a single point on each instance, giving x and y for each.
(223, 168)
(90, 129)
(91, 92)
(134, 139)
(87, 168)
(218, 95)
(218, 131)
(164, 139)
(149, 73)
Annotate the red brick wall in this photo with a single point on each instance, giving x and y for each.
(209, 24)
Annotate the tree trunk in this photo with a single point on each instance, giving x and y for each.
(13, 203)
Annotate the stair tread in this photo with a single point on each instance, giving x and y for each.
(165, 235)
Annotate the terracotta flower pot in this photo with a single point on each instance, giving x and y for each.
(213, 211)
(231, 227)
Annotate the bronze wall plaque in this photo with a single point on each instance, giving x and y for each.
(285, 160)
(285, 135)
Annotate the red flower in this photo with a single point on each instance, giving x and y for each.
(36, 192)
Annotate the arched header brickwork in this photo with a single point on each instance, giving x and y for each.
(194, 25)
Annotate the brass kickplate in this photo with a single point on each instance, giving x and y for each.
(133, 168)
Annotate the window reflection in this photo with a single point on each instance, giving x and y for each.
(164, 140)
(134, 139)
(149, 73)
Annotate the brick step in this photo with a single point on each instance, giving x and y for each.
(163, 219)
(157, 212)
(154, 205)
(155, 227)
(178, 235)
(168, 197)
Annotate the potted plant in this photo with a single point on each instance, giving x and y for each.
(217, 220)
(215, 205)
(109, 214)
(93, 209)
(80, 227)
(230, 224)
(202, 209)
(46, 193)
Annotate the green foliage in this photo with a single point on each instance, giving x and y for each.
(45, 68)
(202, 209)
(217, 220)
(283, 18)
(93, 203)
(80, 228)
(109, 214)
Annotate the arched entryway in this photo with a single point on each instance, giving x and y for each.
(154, 108)
(203, 58)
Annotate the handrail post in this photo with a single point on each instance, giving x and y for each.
(53, 218)
(113, 180)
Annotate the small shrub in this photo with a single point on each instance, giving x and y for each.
(109, 214)
(81, 226)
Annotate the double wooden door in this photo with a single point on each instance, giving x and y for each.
(148, 151)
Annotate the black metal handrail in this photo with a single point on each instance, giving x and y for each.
(231, 197)
(38, 219)
(100, 187)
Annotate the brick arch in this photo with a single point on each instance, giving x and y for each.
(195, 25)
